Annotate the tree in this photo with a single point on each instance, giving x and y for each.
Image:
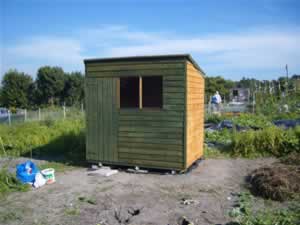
(50, 83)
(213, 84)
(15, 88)
(73, 92)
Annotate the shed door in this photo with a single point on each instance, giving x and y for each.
(101, 119)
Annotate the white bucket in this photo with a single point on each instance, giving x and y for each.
(49, 175)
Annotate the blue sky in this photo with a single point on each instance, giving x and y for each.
(228, 38)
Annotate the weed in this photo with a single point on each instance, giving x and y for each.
(91, 201)
(9, 183)
(6, 217)
(72, 211)
(269, 141)
(245, 215)
(63, 139)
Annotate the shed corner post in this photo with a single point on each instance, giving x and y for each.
(185, 117)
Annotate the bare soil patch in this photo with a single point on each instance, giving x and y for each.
(203, 196)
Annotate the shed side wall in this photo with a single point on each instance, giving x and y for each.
(150, 138)
(194, 114)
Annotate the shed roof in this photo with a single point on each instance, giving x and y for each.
(145, 58)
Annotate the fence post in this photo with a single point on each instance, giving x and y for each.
(82, 108)
(25, 115)
(9, 119)
(39, 113)
(64, 111)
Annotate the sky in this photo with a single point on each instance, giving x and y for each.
(230, 38)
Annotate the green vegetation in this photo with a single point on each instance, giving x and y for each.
(52, 87)
(9, 183)
(245, 213)
(269, 141)
(265, 140)
(62, 140)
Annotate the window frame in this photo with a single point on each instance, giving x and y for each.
(140, 95)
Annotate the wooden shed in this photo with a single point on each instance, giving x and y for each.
(145, 111)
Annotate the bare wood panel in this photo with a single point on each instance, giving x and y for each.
(195, 114)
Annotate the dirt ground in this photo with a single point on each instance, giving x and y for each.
(139, 199)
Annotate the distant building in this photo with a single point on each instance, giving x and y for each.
(239, 95)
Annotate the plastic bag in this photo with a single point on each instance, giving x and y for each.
(26, 172)
(39, 180)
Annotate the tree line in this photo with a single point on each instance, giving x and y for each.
(52, 87)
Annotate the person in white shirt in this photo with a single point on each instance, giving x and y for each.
(216, 101)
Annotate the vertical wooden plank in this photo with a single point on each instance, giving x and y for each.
(100, 120)
(185, 118)
(116, 105)
(109, 119)
(105, 112)
(117, 88)
(91, 119)
(140, 92)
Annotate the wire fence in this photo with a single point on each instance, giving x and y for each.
(229, 108)
(41, 114)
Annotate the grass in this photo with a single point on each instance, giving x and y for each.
(62, 140)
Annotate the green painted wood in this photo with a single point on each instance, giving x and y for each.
(184, 150)
(151, 129)
(91, 121)
(135, 123)
(174, 72)
(149, 151)
(173, 78)
(146, 112)
(102, 132)
(156, 66)
(173, 95)
(158, 158)
(152, 163)
(149, 118)
(159, 146)
(133, 63)
(150, 140)
(143, 137)
(151, 135)
(173, 89)
(98, 109)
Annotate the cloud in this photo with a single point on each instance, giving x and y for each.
(252, 51)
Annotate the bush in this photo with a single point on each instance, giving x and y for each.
(252, 120)
(269, 141)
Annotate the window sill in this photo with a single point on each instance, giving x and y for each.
(141, 110)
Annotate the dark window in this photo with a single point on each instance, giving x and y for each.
(152, 92)
(235, 93)
(129, 92)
